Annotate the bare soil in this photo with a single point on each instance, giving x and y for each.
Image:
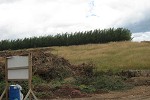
(137, 93)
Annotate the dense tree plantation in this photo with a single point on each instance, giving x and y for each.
(77, 38)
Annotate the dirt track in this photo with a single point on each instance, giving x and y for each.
(137, 93)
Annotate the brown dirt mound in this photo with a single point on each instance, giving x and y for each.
(42, 61)
(46, 64)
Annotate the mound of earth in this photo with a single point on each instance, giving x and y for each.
(46, 64)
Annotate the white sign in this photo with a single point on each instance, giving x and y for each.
(18, 67)
(18, 74)
(17, 61)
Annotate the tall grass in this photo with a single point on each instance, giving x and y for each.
(111, 56)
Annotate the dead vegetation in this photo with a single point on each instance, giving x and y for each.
(48, 65)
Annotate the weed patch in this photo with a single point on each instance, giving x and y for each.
(96, 83)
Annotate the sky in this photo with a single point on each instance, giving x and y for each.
(28, 18)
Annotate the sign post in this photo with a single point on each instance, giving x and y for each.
(19, 68)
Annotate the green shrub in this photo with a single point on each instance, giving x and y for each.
(104, 82)
(108, 83)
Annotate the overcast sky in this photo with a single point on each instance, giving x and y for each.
(27, 18)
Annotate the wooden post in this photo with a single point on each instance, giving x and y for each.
(30, 73)
(30, 92)
(6, 78)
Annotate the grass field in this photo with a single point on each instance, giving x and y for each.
(111, 56)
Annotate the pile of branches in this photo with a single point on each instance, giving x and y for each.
(49, 66)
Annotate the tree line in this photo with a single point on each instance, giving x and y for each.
(77, 38)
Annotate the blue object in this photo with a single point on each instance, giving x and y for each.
(14, 92)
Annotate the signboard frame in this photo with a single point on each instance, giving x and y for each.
(27, 67)
(18, 65)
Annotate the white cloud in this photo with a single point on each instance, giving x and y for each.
(26, 18)
(143, 36)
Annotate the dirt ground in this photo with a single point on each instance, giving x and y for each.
(137, 93)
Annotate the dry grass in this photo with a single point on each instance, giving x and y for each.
(113, 56)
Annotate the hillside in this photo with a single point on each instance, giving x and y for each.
(114, 55)
(56, 77)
